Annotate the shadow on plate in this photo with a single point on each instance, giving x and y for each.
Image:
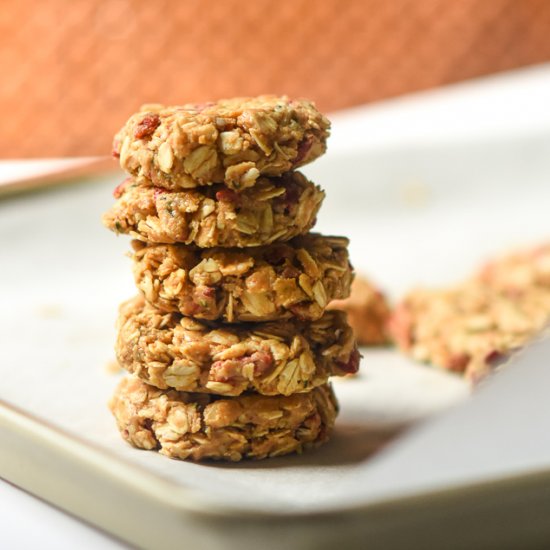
(351, 443)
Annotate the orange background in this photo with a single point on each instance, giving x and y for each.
(73, 71)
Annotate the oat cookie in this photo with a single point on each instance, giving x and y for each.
(278, 357)
(281, 280)
(471, 328)
(368, 312)
(232, 141)
(275, 209)
(475, 326)
(522, 270)
(201, 426)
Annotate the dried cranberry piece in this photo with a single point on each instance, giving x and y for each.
(458, 362)
(263, 361)
(116, 147)
(495, 358)
(149, 123)
(228, 195)
(352, 364)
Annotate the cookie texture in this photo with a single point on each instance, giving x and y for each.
(278, 281)
(275, 209)
(233, 141)
(474, 327)
(368, 312)
(521, 271)
(278, 357)
(201, 426)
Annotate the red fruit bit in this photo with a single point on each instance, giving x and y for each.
(458, 362)
(303, 149)
(148, 124)
(116, 147)
(291, 196)
(209, 292)
(263, 361)
(352, 364)
(120, 188)
(227, 195)
(495, 358)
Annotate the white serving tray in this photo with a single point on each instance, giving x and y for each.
(416, 215)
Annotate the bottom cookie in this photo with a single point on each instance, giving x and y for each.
(203, 426)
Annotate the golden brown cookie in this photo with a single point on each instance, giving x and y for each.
(232, 141)
(275, 209)
(471, 328)
(278, 357)
(278, 281)
(201, 426)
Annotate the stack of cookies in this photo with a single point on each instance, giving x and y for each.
(229, 342)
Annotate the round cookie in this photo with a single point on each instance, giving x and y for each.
(277, 357)
(232, 141)
(278, 281)
(275, 209)
(201, 426)
(471, 328)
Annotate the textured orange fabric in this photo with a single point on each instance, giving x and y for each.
(73, 71)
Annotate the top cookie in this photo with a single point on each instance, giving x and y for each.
(232, 141)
